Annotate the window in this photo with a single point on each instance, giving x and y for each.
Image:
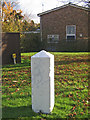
(53, 38)
(70, 32)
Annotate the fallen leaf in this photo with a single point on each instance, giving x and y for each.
(81, 113)
(15, 81)
(21, 93)
(75, 113)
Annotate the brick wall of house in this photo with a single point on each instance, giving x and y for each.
(10, 45)
(55, 22)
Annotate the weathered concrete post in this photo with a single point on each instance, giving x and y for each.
(42, 76)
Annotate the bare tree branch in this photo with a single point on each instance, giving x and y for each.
(85, 3)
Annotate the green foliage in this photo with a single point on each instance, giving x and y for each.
(69, 46)
(30, 42)
(13, 21)
(11, 18)
(28, 26)
(71, 88)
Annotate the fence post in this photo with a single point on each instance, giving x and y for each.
(42, 76)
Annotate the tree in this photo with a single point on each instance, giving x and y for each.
(85, 3)
(13, 21)
(11, 18)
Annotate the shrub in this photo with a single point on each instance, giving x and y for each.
(30, 42)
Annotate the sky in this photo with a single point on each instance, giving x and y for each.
(33, 7)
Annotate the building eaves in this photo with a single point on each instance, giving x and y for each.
(57, 8)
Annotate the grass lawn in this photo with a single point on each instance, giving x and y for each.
(71, 88)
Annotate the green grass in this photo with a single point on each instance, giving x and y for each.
(71, 88)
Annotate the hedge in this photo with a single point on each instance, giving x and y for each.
(30, 42)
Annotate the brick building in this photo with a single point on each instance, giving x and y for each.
(67, 23)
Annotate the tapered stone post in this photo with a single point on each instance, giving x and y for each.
(42, 77)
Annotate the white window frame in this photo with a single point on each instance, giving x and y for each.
(52, 36)
(70, 34)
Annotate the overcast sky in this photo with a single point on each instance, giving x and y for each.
(33, 7)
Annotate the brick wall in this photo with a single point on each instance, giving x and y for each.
(55, 22)
(10, 45)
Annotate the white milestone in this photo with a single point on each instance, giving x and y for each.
(42, 77)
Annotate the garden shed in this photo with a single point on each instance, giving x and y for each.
(65, 28)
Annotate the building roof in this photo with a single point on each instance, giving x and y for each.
(57, 8)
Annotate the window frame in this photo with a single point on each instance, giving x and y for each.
(70, 34)
(52, 36)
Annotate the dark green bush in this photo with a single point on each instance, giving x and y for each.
(30, 42)
(67, 46)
